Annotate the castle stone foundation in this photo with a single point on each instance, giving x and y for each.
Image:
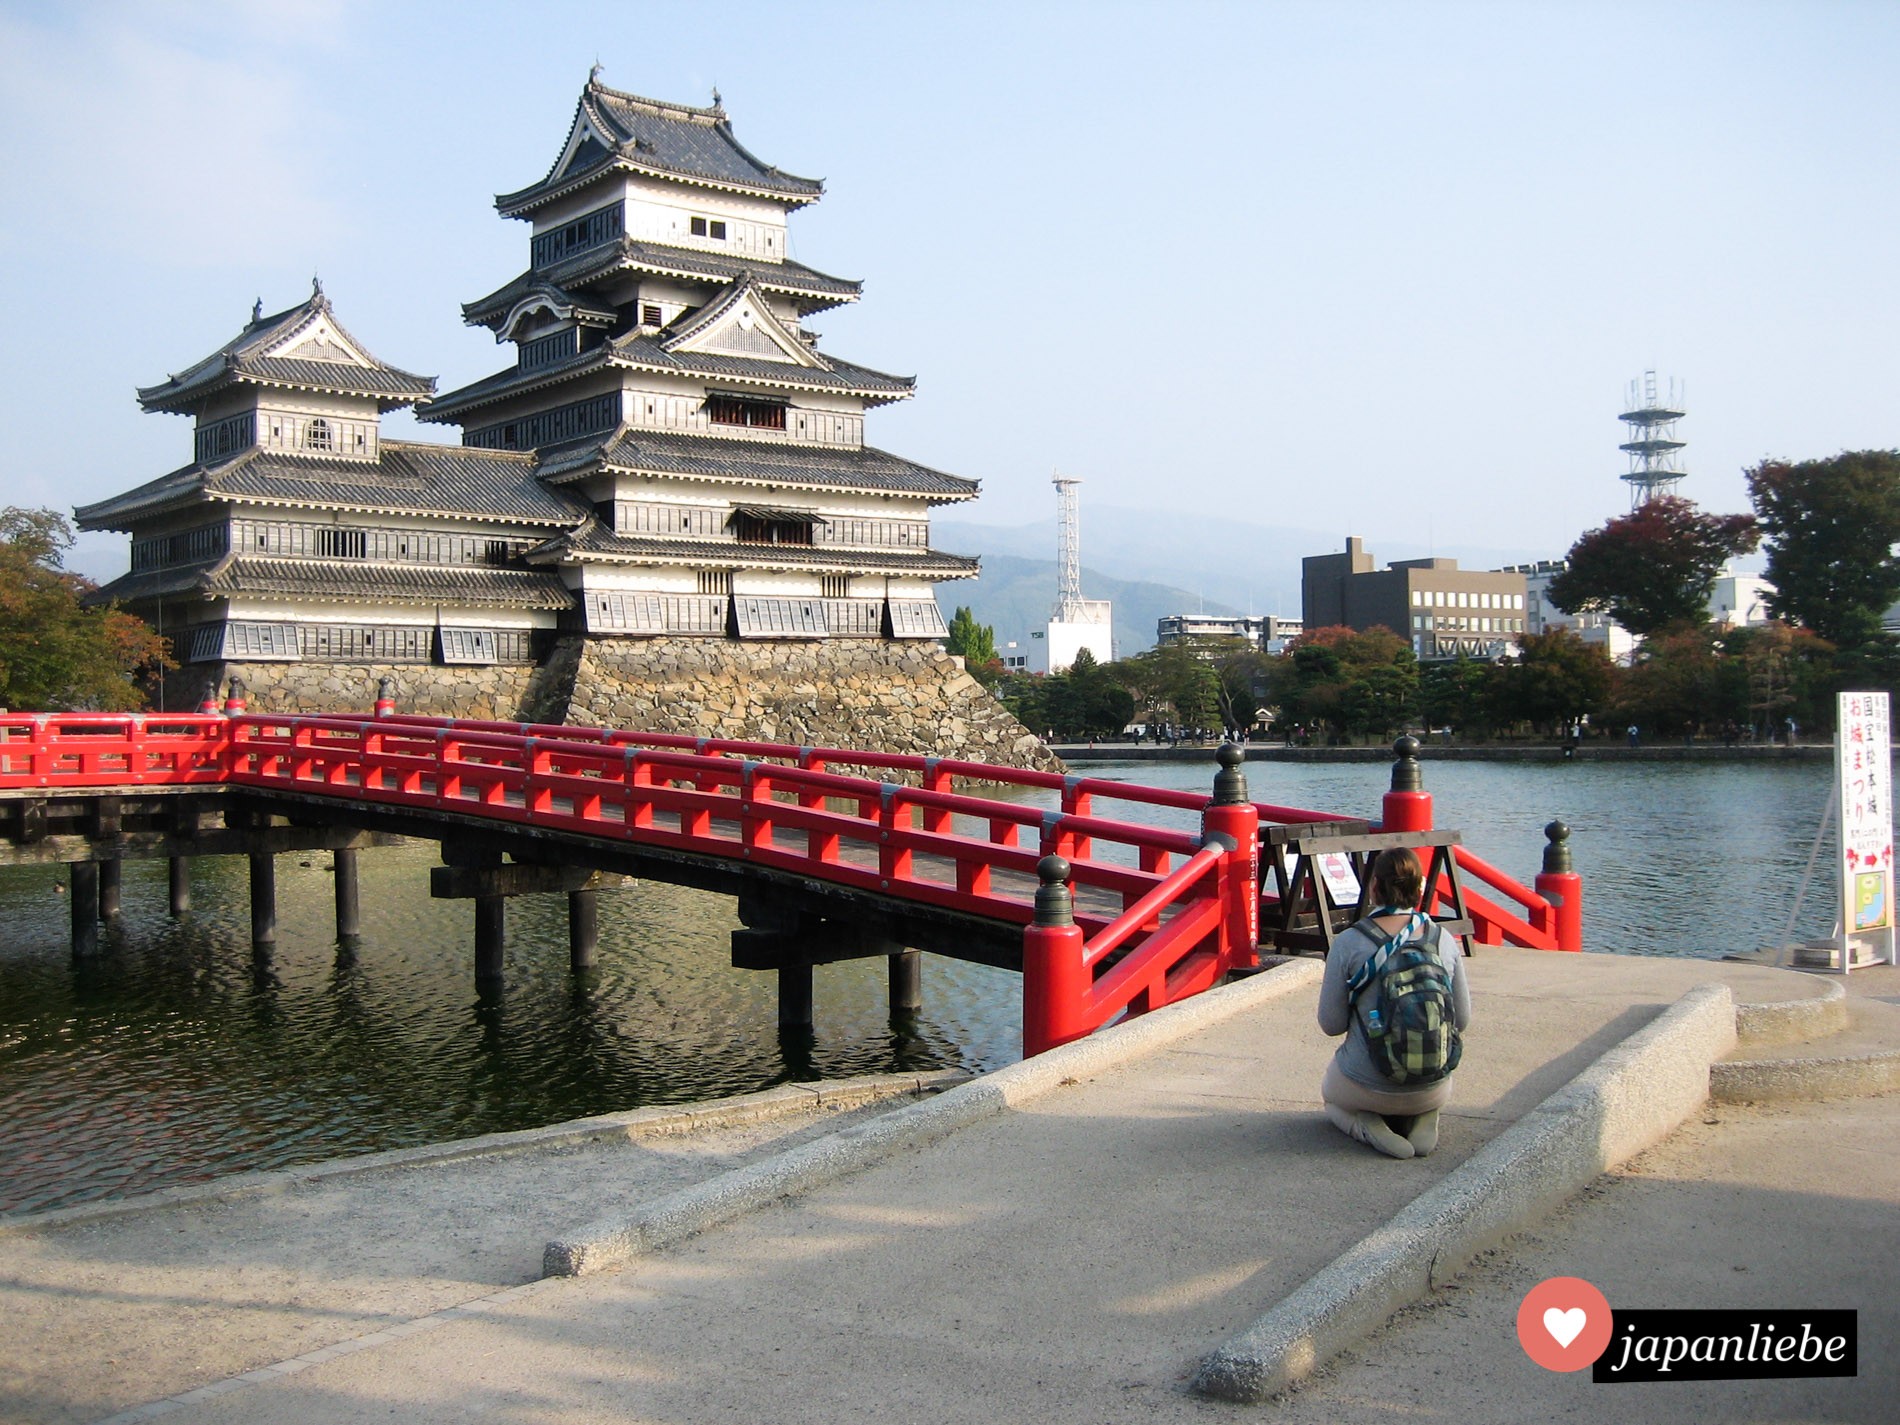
(888, 695)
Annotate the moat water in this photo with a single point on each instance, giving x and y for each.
(176, 1057)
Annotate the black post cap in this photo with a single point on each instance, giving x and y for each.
(237, 688)
(386, 687)
(1054, 905)
(1407, 775)
(1230, 783)
(1557, 851)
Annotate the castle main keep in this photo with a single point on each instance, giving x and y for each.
(662, 512)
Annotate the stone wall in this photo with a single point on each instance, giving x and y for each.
(888, 695)
(891, 695)
(505, 693)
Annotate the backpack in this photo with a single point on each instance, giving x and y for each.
(1408, 1019)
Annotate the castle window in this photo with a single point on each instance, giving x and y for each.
(650, 315)
(745, 411)
(709, 227)
(835, 586)
(715, 581)
(335, 543)
(316, 435)
(752, 524)
(590, 230)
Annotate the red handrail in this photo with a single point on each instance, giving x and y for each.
(1148, 931)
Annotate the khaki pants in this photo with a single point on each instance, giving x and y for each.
(1356, 1097)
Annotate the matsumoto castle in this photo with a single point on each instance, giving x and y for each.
(668, 457)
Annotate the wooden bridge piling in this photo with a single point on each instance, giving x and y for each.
(907, 982)
(794, 995)
(83, 886)
(491, 934)
(583, 930)
(263, 900)
(179, 884)
(111, 890)
(349, 907)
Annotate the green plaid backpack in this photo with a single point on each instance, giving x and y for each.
(1408, 1016)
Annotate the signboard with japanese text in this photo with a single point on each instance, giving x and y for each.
(1863, 770)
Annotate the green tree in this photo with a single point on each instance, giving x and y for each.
(56, 654)
(973, 642)
(1345, 681)
(1677, 683)
(1830, 528)
(1653, 567)
(1783, 672)
(1453, 693)
(1556, 679)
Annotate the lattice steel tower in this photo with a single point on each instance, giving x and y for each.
(1068, 548)
(1654, 469)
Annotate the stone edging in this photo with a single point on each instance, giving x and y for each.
(614, 1240)
(1790, 1021)
(1628, 1100)
(784, 1101)
(1788, 1080)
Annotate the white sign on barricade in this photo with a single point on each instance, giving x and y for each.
(1863, 785)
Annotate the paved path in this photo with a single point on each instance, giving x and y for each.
(1068, 1261)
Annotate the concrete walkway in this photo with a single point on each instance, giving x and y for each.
(1071, 1260)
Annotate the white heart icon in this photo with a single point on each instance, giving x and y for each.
(1564, 1326)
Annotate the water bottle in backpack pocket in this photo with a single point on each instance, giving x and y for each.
(1403, 997)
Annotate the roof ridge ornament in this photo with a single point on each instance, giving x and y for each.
(593, 75)
(257, 312)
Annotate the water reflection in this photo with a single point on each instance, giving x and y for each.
(177, 1055)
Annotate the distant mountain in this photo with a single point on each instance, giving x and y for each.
(1014, 596)
(1240, 567)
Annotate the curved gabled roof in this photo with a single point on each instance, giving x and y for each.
(612, 129)
(793, 279)
(346, 370)
(408, 477)
(643, 351)
(750, 462)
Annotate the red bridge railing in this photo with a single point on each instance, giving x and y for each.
(1119, 917)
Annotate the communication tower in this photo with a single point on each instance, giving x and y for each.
(1654, 469)
(1076, 623)
(1068, 545)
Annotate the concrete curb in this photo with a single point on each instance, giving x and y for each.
(1790, 1021)
(1628, 1100)
(611, 1241)
(787, 1100)
(1785, 1080)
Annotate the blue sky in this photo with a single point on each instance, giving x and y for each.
(1356, 268)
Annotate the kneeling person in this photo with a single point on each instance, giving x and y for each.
(1399, 995)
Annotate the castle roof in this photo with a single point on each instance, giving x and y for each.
(341, 581)
(615, 130)
(303, 348)
(627, 254)
(653, 352)
(750, 462)
(406, 478)
(595, 543)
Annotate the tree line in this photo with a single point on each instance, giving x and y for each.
(1829, 528)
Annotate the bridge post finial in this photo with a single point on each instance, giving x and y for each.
(1407, 774)
(1557, 850)
(234, 698)
(208, 699)
(1230, 783)
(1054, 904)
(386, 695)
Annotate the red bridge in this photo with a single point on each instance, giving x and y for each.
(1103, 916)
